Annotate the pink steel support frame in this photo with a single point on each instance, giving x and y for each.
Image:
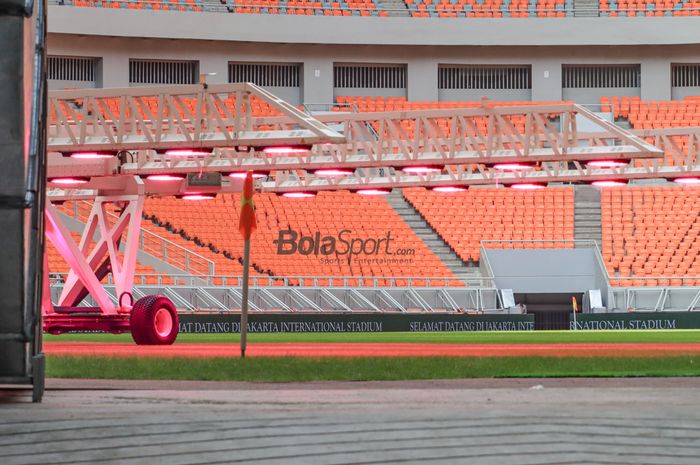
(97, 254)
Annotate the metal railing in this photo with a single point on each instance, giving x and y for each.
(656, 281)
(300, 281)
(312, 108)
(153, 244)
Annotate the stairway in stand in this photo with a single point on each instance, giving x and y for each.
(439, 247)
(586, 8)
(395, 7)
(587, 214)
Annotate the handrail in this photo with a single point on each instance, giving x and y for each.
(683, 279)
(301, 281)
(309, 107)
(569, 12)
(590, 242)
(156, 245)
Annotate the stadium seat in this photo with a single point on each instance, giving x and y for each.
(416, 8)
(464, 219)
(651, 232)
(215, 224)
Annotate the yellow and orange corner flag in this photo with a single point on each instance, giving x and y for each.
(247, 224)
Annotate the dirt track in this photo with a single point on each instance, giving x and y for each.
(372, 350)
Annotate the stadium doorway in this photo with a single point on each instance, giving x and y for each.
(551, 311)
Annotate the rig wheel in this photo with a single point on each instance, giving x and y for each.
(154, 321)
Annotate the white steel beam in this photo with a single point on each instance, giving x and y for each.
(143, 121)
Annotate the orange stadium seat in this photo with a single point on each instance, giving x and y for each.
(382, 104)
(416, 8)
(464, 219)
(57, 265)
(657, 115)
(216, 223)
(651, 231)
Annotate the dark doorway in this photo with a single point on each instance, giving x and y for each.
(551, 311)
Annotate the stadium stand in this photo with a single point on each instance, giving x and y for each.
(645, 8)
(380, 104)
(464, 219)
(656, 115)
(168, 251)
(110, 108)
(651, 231)
(215, 223)
(642, 235)
(416, 8)
(170, 5)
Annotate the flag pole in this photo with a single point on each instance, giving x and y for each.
(244, 306)
(246, 226)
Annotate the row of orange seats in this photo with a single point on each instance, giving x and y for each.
(162, 244)
(381, 104)
(383, 245)
(487, 9)
(651, 231)
(657, 115)
(57, 264)
(150, 107)
(165, 5)
(464, 219)
(666, 113)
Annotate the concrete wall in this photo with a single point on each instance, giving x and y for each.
(468, 95)
(583, 95)
(422, 62)
(546, 271)
(679, 93)
(374, 31)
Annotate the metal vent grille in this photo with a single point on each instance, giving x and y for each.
(685, 75)
(162, 72)
(265, 74)
(484, 77)
(600, 76)
(369, 76)
(61, 68)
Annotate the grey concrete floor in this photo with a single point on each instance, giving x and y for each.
(519, 422)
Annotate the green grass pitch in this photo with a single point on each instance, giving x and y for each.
(485, 337)
(288, 369)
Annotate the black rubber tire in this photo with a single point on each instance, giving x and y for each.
(144, 328)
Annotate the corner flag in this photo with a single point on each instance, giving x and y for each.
(247, 223)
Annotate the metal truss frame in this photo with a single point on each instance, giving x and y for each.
(655, 299)
(188, 116)
(465, 140)
(319, 299)
(98, 254)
